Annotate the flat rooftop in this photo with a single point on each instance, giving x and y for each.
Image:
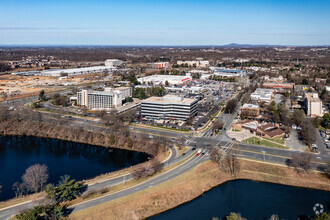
(250, 106)
(168, 99)
(77, 70)
(164, 77)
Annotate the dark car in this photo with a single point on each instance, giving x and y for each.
(327, 145)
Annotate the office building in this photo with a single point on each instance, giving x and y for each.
(169, 107)
(262, 95)
(313, 105)
(250, 110)
(103, 100)
(193, 63)
(160, 65)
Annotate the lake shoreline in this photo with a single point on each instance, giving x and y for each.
(261, 180)
(62, 157)
(193, 184)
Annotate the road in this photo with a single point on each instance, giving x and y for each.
(186, 166)
(248, 151)
(6, 213)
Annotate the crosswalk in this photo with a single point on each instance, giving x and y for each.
(226, 146)
(190, 140)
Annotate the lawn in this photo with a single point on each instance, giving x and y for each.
(262, 142)
(277, 140)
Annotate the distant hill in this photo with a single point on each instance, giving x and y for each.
(251, 45)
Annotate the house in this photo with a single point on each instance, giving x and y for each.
(270, 130)
(246, 125)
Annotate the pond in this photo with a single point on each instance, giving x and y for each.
(80, 161)
(253, 200)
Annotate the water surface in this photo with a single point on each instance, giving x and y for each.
(254, 200)
(80, 161)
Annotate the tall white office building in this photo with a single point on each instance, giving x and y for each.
(103, 100)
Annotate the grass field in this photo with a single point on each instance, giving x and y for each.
(262, 142)
(277, 140)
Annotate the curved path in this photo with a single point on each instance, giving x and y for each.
(5, 213)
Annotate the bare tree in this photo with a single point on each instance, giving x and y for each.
(146, 169)
(35, 177)
(156, 165)
(19, 189)
(301, 161)
(231, 106)
(231, 160)
(180, 142)
(218, 125)
(4, 113)
(217, 156)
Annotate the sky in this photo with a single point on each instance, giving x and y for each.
(167, 22)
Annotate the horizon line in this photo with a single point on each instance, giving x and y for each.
(159, 45)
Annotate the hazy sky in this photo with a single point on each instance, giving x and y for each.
(167, 22)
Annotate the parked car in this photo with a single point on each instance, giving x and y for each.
(327, 144)
(314, 147)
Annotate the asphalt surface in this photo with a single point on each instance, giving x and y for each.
(186, 166)
(6, 213)
(267, 154)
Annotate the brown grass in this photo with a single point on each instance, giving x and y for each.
(15, 201)
(192, 184)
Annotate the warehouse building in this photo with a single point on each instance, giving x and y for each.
(169, 107)
(161, 79)
(78, 71)
(103, 100)
(278, 85)
(113, 62)
(229, 73)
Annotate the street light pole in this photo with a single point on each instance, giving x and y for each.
(264, 153)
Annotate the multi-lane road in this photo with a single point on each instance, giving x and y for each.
(203, 141)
